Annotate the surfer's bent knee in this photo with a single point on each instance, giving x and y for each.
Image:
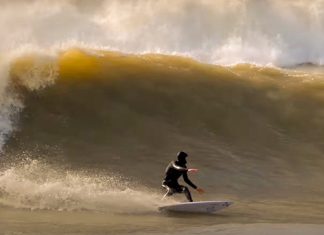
(185, 189)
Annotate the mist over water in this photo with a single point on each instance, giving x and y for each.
(226, 32)
(96, 97)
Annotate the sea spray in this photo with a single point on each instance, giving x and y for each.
(225, 32)
(10, 104)
(32, 72)
(35, 184)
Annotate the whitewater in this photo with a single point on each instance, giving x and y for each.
(96, 97)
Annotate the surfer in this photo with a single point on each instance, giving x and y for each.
(173, 172)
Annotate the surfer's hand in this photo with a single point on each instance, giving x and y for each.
(200, 190)
(194, 170)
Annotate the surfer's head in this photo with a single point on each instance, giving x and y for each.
(182, 157)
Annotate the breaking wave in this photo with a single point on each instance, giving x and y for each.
(122, 85)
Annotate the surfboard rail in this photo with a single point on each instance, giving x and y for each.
(196, 207)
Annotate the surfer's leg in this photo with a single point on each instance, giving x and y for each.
(169, 191)
(187, 193)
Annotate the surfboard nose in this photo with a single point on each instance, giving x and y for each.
(227, 204)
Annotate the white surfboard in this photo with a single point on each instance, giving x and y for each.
(197, 207)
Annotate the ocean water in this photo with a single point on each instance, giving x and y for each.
(96, 97)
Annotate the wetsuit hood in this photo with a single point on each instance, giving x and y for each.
(182, 157)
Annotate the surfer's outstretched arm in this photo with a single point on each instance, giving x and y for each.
(187, 180)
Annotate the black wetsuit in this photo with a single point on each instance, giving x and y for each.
(173, 172)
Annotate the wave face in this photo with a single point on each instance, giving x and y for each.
(258, 129)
